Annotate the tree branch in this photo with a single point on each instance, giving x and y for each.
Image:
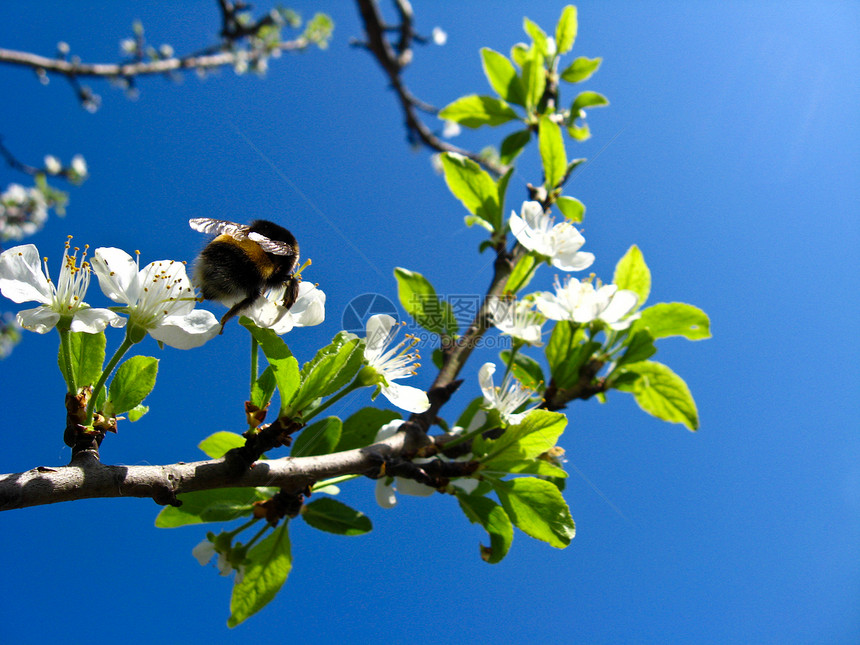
(393, 64)
(87, 478)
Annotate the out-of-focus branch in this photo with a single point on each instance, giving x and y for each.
(393, 59)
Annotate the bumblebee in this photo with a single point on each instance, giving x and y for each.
(243, 261)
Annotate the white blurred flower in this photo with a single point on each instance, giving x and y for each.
(159, 298)
(393, 364)
(52, 165)
(128, 46)
(166, 51)
(451, 129)
(387, 486)
(22, 280)
(560, 243)
(440, 37)
(506, 398)
(581, 303)
(23, 211)
(268, 310)
(79, 166)
(517, 319)
(206, 550)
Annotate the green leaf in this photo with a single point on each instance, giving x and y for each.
(217, 444)
(473, 111)
(131, 384)
(663, 394)
(538, 36)
(580, 69)
(263, 388)
(218, 505)
(633, 274)
(534, 78)
(270, 562)
(561, 342)
(332, 516)
(522, 274)
(640, 345)
(495, 521)
(473, 187)
(87, 355)
(319, 438)
(535, 466)
(580, 133)
(552, 153)
(359, 430)
(284, 365)
(136, 412)
(675, 319)
(565, 30)
(519, 54)
(526, 369)
(537, 508)
(469, 412)
(419, 299)
(587, 100)
(536, 434)
(513, 144)
(502, 189)
(502, 76)
(571, 208)
(333, 367)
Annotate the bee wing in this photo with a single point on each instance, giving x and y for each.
(274, 247)
(219, 227)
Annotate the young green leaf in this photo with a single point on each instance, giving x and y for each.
(580, 69)
(537, 508)
(662, 393)
(639, 346)
(565, 29)
(519, 54)
(538, 36)
(333, 367)
(419, 299)
(218, 505)
(526, 369)
(502, 189)
(502, 75)
(332, 516)
(536, 434)
(552, 153)
(580, 133)
(136, 412)
(522, 274)
(269, 564)
(473, 111)
(319, 438)
(359, 430)
(495, 521)
(633, 274)
(675, 319)
(587, 100)
(284, 365)
(513, 144)
(217, 444)
(534, 77)
(87, 354)
(571, 208)
(263, 388)
(131, 384)
(473, 187)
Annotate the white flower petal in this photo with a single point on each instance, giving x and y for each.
(378, 331)
(117, 273)
(203, 552)
(41, 320)
(466, 484)
(622, 303)
(412, 487)
(188, 331)
(21, 277)
(92, 321)
(406, 397)
(485, 379)
(385, 496)
(388, 430)
(573, 262)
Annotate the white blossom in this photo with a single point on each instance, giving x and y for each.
(451, 129)
(159, 298)
(393, 364)
(517, 319)
(440, 36)
(268, 310)
(560, 243)
(506, 398)
(387, 486)
(52, 165)
(580, 302)
(22, 280)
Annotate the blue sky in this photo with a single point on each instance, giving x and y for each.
(728, 154)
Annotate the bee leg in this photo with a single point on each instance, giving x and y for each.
(235, 309)
(291, 294)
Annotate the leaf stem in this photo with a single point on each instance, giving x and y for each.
(120, 352)
(66, 358)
